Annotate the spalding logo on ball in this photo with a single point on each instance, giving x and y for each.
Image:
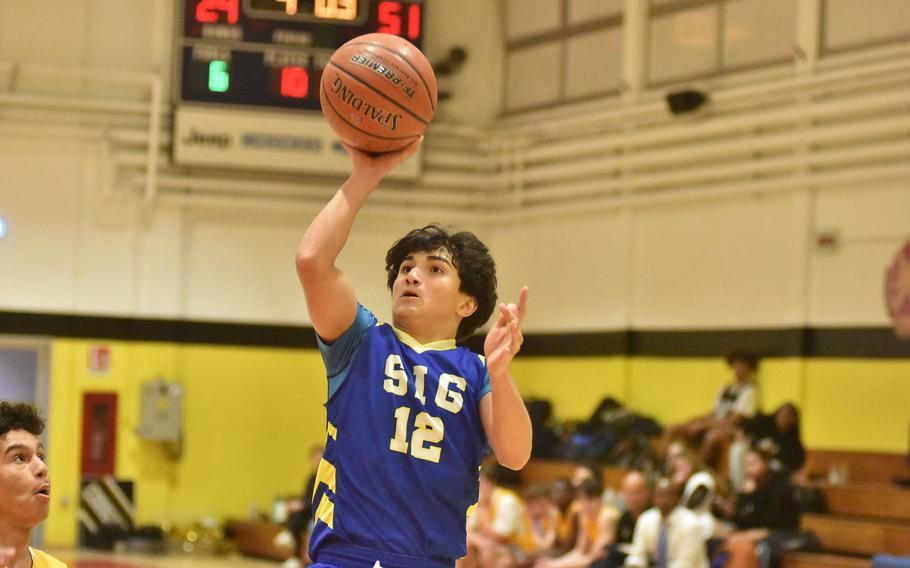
(378, 92)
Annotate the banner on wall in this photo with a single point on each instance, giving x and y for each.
(294, 143)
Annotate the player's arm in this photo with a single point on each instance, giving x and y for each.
(329, 293)
(503, 412)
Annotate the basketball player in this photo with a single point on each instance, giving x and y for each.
(25, 488)
(409, 414)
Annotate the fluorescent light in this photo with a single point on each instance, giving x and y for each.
(2, 227)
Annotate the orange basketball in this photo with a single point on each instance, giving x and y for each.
(378, 92)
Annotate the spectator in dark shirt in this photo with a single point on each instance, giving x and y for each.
(764, 514)
(777, 434)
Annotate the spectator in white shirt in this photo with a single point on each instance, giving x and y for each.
(699, 485)
(667, 535)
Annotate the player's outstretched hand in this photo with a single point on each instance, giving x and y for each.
(505, 338)
(376, 166)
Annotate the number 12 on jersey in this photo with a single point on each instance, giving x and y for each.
(428, 430)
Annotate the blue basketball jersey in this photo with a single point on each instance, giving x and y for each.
(403, 448)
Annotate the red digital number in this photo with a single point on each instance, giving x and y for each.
(414, 21)
(390, 18)
(295, 82)
(207, 10)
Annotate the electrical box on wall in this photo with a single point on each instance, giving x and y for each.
(160, 415)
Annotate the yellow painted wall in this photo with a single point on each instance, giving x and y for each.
(250, 417)
(251, 414)
(575, 384)
(847, 404)
(854, 404)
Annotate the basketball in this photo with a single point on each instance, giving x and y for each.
(378, 92)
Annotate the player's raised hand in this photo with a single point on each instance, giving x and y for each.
(504, 339)
(376, 166)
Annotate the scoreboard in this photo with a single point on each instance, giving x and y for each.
(247, 76)
(271, 53)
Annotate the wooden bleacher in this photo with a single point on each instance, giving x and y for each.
(864, 467)
(866, 515)
(864, 499)
(862, 536)
(807, 560)
(546, 471)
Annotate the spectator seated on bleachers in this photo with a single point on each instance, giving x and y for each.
(596, 529)
(667, 535)
(541, 525)
(495, 526)
(779, 435)
(699, 486)
(562, 494)
(766, 518)
(636, 499)
(735, 403)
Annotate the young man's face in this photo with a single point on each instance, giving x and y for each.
(25, 490)
(427, 286)
(741, 370)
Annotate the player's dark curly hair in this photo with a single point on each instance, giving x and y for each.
(20, 416)
(471, 258)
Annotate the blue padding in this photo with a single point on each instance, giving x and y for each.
(886, 561)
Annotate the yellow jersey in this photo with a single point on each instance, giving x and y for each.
(42, 560)
(534, 534)
(566, 526)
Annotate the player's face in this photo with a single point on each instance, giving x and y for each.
(25, 489)
(427, 286)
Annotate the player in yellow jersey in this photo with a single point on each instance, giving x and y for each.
(25, 486)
